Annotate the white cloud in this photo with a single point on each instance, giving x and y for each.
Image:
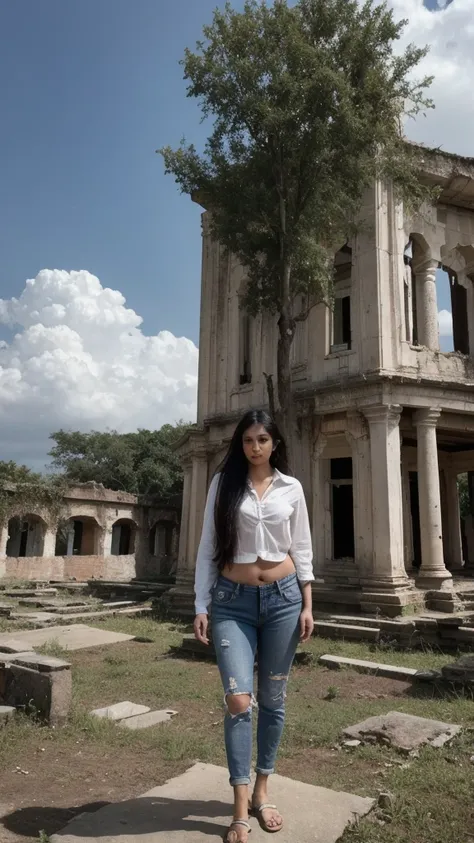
(80, 360)
(445, 322)
(450, 33)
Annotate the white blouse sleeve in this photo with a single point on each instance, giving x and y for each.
(301, 550)
(206, 568)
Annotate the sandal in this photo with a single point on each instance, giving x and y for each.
(257, 812)
(231, 831)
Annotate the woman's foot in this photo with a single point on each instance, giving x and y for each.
(237, 832)
(268, 815)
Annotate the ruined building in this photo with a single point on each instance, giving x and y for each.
(101, 534)
(387, 418)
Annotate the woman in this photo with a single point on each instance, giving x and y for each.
(254, 567)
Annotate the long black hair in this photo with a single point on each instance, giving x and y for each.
(233, 481)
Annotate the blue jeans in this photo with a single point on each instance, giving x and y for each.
(246, 619)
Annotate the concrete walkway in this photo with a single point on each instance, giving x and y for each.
(196, 807)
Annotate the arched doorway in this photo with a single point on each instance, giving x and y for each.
(123, 537)
(79, 536)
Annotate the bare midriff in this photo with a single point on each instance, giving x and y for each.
(259, 572)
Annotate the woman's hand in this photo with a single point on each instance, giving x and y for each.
(306, 625)
(200, 628)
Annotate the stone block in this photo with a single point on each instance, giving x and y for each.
(47, 693)
(460, 672)
(144, 721)
(12, 645)
(403, 731)
(119, 711)
(6, 713)
(44, 664)
(348, 631)
(375, 668)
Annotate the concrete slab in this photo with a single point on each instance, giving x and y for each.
(11, 644)
(404, 731)
(144, 721)
(8, 658)
(196, 808)
(120, 710)
(74, 637)
(376, 668)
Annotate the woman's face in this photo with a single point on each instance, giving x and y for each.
(257, 444)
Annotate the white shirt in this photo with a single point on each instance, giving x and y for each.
(269, 529)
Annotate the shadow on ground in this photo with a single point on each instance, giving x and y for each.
(144, 815)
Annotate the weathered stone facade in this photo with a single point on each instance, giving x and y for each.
(102, 535)
(387, 419)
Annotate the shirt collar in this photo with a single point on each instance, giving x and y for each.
(277, 475)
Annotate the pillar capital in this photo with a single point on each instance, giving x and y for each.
(356, 426)
(427, 417)
(426, 269)
(386, 414)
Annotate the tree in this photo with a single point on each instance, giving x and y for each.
(141, 463)
(11, 472)
(306, 102)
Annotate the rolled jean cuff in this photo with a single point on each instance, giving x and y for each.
(239, 780)
(264, 772)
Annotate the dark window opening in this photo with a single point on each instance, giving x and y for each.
(415, 519)
(342, 322)
(245, 375)
(343, 522)
(459, 311)
(341, 469)
(342, 508)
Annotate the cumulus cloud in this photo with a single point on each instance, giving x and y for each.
(80, 360)
(449, 30)
(445, 322)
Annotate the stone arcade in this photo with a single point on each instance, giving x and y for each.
(387, 419)
(103, 534)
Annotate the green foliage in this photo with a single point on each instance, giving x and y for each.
(306, 103)
(24, 492)
(141, 463)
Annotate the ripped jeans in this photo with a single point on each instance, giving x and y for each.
(246, 619)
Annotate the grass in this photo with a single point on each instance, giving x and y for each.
(318, 710)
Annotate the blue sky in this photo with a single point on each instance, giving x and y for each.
(90, 89)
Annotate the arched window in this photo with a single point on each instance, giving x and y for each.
(341, 325)
(245, 347)
(26, 536)
(78, 536)
(123, 537)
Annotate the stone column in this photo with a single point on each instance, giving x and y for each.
(3, 539)
(49, 545)
(3, 549)
(357, 434)
(388, 564)
(455, 553)
(427, 305)
(198, 504)
(433, 574)
(184, 527)
(70, 539)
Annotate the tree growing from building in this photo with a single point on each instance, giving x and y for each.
(306, 102)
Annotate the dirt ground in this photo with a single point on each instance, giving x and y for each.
(47, 776)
